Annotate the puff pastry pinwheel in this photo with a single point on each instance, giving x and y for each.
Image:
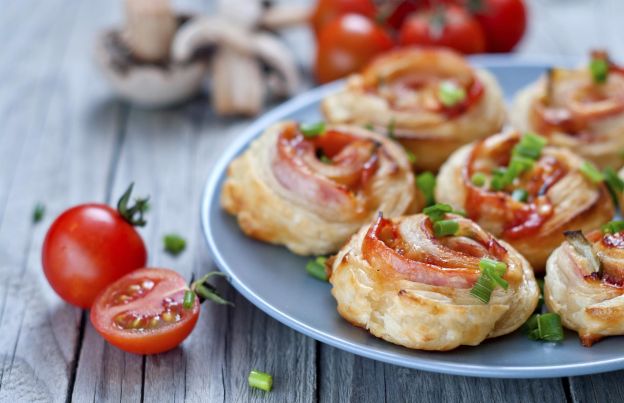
(408, 284)
(525, 192)
(584, 282)
(431, 100)
(310, 187)
(580, 109)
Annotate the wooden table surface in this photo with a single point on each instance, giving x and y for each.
(64, 139)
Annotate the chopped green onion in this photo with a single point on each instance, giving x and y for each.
(592, 173)
(325, 159)
(518, 165)
(494, 270)
(411, 157)
(38, 212)
(450, 94)
(612, 227)
(445, 228)
(437, 211)
(545, 327)
(614, 184)
(369, 126)
(491, 275)
(530, 146)
(599, 69)
(316, 268)
(491, 264)
(478, 179)
(189, 299)
(426, 182)
(520, 195)
(310, 130)
(482, 289)
(174, 244)
(390, 129)
(260, 380)
(499, 179)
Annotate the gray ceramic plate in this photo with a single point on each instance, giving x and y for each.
(275, 280)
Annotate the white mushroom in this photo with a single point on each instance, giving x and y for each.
(253, 50)
(237, 86)
(150, 27)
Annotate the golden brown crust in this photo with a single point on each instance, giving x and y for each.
(577, 203)
(422, 316)
(601, 140)
(431, 136)
(269, 212)
(591, 307)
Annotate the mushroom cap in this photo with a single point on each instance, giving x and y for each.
(144, 84)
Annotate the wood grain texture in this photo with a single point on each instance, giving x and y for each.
(45, 156)
(349, 378)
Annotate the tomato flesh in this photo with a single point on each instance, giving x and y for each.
(87, 248)
(143, 312)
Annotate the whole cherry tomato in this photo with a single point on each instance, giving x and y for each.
(503, 22)
(90, 246)
(144, 312)
(450, 26)
(347, 44)
(328, 10)
(397, 11)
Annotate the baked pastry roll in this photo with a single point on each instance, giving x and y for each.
(523, 193)
(311, 191)
(581, 109)
(406, 285)
(431, 100)
(584, 283)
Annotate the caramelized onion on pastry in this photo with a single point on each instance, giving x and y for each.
(404, 285)
(557, 195)
(576, 112)
(312, 193)
(399, 95)
(584, 284)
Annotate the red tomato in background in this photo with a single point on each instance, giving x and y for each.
(143, 312)
(87, 248)
(347, 44)
(503, 22)
(328, 10)
(449, 26)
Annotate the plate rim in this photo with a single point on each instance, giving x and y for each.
(473, 370)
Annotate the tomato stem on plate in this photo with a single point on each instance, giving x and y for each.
(129, 213)
(206, 291)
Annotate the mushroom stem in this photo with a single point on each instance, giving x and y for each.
(150, 27)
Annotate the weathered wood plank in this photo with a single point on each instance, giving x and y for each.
(168, 155)
(598, 388)
(50, 151)
(345, 377)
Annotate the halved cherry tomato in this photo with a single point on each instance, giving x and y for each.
(503, 22)
(87, 248)
(347, 44)
(450, 26)
(143, 312)
(328, 10)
